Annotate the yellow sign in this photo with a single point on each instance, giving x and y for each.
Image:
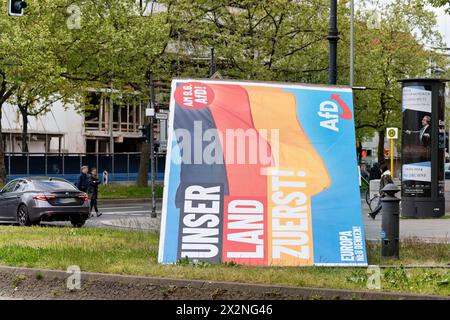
(392, 133)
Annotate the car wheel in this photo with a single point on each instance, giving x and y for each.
(77, 222)
(23, 216)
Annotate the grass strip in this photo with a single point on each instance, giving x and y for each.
(135, 253)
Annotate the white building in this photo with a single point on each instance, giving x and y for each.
(65, 129)
(60, 130)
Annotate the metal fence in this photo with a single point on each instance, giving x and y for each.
(121, 167)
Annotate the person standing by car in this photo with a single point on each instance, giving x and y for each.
(83, 180)
(94, 182)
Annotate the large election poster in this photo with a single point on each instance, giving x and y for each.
(261, 174)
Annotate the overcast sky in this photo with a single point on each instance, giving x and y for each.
(443, 24)
(443, 19)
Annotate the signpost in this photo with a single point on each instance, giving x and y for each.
(392, 134)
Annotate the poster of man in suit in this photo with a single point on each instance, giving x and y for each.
(423, 135)
(417, 141)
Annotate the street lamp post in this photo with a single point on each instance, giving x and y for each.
(152, 142)
(352, 43)
(111, 121)
(212, 66)
(333, 38)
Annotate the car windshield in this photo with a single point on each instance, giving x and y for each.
(48, 185)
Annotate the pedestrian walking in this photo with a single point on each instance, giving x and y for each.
(94, 182)
(83, 179)
(364, 172)
(375, 172)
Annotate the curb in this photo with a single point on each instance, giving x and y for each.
(109, 223)
(261, 290)
(126, 200)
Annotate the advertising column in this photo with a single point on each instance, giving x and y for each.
(423, 146)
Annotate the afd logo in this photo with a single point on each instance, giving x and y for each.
(329, 111)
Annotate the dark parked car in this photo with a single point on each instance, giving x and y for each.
(29, 201)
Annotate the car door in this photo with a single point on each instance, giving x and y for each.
(16, 198)
(7, 201)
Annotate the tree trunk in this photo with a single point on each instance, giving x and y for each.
(24, 112)
(146, 147)
(380, 151)
(142, 178)
(2, 152)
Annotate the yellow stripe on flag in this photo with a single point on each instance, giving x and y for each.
(298, 174)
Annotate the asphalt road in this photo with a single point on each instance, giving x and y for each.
(132, 215)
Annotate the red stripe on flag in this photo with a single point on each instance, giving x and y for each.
(231, 111)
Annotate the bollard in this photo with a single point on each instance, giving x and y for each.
(390, 239)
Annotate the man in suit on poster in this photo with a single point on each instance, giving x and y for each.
(424, 132)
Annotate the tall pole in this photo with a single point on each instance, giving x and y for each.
(212, 66)
(111, 122)
(333, 40)
(152, 143)
(391, 152)
(352, 43)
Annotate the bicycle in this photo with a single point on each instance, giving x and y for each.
(373, 202)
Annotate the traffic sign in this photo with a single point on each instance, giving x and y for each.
(149, 112)
(161, 115)
(392, 133)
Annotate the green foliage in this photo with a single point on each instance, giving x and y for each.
(45, 52)
(441, 3)
(127, 252)
(357, 276)
(396, 277)
(115, 191)
(259, 40)
(391, 44)
(28, 61)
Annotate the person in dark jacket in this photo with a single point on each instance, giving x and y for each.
(94, 182)
(375, 172)
(83, 180)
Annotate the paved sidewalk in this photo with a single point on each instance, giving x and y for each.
(433, 230)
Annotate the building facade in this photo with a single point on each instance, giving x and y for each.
(102, 126)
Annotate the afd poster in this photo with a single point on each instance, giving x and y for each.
(261, 174)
